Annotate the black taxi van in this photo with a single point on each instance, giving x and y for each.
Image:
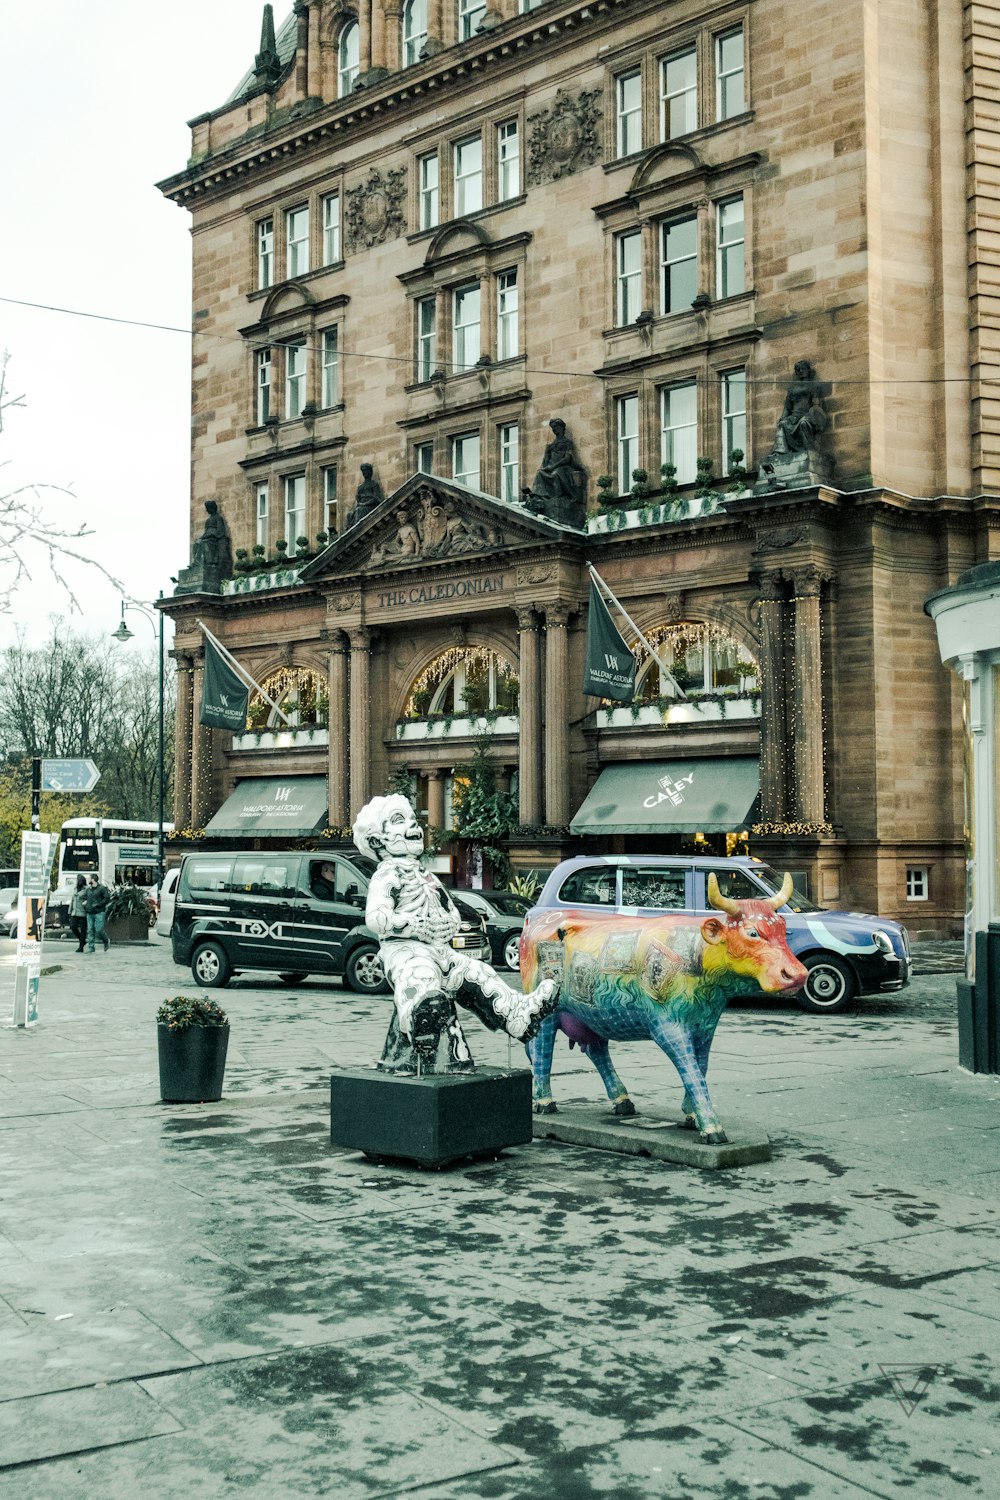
(293, 913)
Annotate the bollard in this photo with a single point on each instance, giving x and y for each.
(979, 1007)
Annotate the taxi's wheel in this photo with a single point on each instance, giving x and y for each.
(364, 973)
(830, 985)
(210, 966)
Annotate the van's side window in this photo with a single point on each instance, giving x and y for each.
(351, 886)
(658, 888)
(593, 886)
(205, 872)
(737, 886)
(266, 874)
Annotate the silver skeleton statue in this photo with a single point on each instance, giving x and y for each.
(415, 920)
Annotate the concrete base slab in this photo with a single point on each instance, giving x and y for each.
(655, 1135)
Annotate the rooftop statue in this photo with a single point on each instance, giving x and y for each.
(797, 460)
(368, 496)
(211, 556)
(559, 490)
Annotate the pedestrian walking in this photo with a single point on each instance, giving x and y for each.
(96, 902)
(78, 912)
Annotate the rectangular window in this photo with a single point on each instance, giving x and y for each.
(917, 883)
(330, 500)
(734, 415)
(465, 326)
(679, 430)
(729, 92)
(510, 468)
(730, 269)
(297, 241)
(628, 112)
(330, 393)
(265, 253)
(507, 344)
(628, 441)
(295, 380)
(423, 458)
(678, 264)
(428, 208)
(678, 94)
(426, 337)
(628, 284)
(468, 176)
(508, 161)
(465, 459)
(262, 516)
(295, 510)
(331, 229)
(262, 361)
(470, 13)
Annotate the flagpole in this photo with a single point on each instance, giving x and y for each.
(664, 670)
(243, 673)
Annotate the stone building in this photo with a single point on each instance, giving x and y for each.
(423, 231)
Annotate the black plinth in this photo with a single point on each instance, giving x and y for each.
(433, 1120)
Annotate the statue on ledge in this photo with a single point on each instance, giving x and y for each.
(559, 491)
(796, 460)
(211, 556)
(368, 496)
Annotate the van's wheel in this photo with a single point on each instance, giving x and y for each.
(210, 967)
(830, 985)
(292, 978)
(364, 973)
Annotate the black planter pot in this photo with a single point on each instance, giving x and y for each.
(192, 1063)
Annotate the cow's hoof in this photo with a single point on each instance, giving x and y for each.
(625, 1109)
(715, 1138)
(546, 1109)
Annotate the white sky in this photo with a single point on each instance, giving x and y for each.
(93, 107)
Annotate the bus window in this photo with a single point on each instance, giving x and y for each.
(79, 852)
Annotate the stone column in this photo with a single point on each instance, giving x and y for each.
(182, 742)
(773, 722)
(807, 740)
(435, 24)
(529, 715)
(706, 255)
(360, 720)
(435, 798)
(365, 35)
(201, 752)
(378, 34)
(393, 34)
(315, 65)
(339, 814)
(556, 715)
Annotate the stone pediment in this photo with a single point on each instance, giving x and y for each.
(429, 519)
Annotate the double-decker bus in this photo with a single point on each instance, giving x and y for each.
(118, 851)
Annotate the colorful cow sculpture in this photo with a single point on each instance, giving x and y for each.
(668, 977)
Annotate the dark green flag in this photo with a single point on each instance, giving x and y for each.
(610, 668)
(224, 696)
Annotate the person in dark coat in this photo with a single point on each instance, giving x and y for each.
(78, 912)
(96, 902)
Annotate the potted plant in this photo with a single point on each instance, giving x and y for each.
(192, 1040)
(127, 914)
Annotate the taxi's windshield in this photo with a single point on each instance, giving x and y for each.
(773, 881)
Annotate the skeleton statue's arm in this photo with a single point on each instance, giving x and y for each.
(381, 914)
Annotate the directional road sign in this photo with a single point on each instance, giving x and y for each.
(69, 775)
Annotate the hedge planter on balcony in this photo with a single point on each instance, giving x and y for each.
(192, 1041)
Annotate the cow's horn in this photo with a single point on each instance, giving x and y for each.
(718, 900)
(779, 900)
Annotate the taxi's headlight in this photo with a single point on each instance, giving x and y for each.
(883, 941)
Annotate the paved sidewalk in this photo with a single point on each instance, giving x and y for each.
(205, 1300)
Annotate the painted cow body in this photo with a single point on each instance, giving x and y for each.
(667, 977)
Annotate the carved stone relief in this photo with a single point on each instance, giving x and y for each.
(375, 209)
(535, 573)
(428, 526)
(565, 137)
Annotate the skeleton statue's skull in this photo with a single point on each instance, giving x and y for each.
(388, 826)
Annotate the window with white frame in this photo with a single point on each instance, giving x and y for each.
(734, 415)
(465, 459)
(262, 363)
(297, 241)
(627, 429)
(423, 458)
(678, 93)
(729, 90)
(426, 337)
(468, 176)
(465, 328)
(261, 515)
(295, 509)
(295, 380)
(678, 264)
(679, 429)
(918, 882)
(628, 277)
(330, 383)
(628, 112)
(414, 31)
(331, 229)
(510, 468)
(265, 253)
(507, 343)
(527, 5)
(330, 499)
(508, 161)
(348, 58)
(470, 14)
(427, 171)
(730, 270)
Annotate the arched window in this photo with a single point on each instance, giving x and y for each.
(348, 58)
(414, 31)
(302, 695)
(701, 658)
(465, 680)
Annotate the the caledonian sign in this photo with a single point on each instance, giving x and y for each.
(430, 593)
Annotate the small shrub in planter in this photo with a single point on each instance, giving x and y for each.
(127, 914)
(192, 1041)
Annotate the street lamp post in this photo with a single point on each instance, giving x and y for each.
(124, 634)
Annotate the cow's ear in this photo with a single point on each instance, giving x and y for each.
(712, 930)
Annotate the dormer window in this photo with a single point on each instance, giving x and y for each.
(348, 58)
(414, 31)
(470, 15)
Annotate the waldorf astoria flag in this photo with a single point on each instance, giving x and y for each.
(610, 666)
(224, 696)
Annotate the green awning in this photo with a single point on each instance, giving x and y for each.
(273, 806)
(677, 796)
